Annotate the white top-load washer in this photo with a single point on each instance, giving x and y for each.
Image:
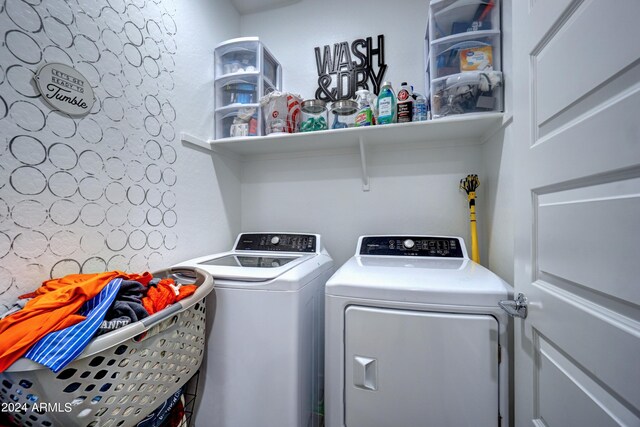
(415, 337)
(265, 349)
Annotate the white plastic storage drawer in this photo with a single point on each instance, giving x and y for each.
(463, 47)
(452, 17)
(479, 54)
(470, 92)
(237, 90)
(236, 58)
(238, 122)
(245, 72)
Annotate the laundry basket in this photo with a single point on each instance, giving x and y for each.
(122, 376)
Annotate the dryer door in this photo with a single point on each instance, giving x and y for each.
(408, 368)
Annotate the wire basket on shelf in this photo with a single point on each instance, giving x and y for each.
(121, 376)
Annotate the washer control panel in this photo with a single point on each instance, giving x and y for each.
(421, 246)
(276, 242)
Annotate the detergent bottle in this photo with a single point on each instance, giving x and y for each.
(386, 105)
(405, 104)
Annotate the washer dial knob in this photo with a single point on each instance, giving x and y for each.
(409, 244)
(275, 240)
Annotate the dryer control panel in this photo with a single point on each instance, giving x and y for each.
(276, 242)
(420, 246)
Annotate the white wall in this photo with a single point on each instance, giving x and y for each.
(291, 33)
(497, 194)
(413, 190)
(497, 188)
(273, 190)
(210, 192)
(151, 67)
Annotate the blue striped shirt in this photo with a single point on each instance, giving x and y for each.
(57, 349)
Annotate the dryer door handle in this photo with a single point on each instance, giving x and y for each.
(365, 373)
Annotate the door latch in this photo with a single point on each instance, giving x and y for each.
(517, 307)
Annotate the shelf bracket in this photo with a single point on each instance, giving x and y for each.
(363, 160)
(195, 141)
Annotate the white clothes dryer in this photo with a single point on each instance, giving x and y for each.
(265, 349)
(415, 337)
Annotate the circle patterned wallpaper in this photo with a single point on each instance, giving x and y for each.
(95, 193)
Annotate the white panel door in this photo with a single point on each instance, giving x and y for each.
(412, 368)
(577, 124)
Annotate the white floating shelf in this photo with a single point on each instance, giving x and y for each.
(470, 129)
(464, 129)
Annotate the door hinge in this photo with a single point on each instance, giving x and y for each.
(499, 354)
(516, 307)
(499, 420)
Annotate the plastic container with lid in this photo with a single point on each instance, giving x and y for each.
(314, 116)
(343, 114)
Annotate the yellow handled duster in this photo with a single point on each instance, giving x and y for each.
(470, 184)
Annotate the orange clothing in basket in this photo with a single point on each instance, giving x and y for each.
(53, 308)
(164, 294)
(74, 279)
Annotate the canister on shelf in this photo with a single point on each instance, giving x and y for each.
(344, 114)
(314, 115)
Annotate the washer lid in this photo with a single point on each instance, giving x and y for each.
(446, 281)
(243, 260)
(248, 267)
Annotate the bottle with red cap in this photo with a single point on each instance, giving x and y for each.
(405, 104)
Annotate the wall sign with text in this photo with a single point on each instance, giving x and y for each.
(65, 89)
(349, 68)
